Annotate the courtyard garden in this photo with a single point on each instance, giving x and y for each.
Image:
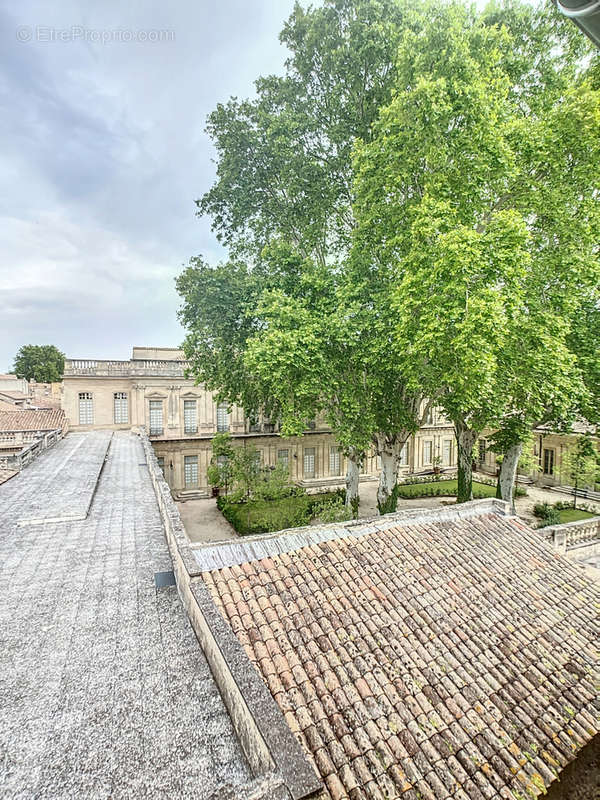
(560, 513)
(256, 498)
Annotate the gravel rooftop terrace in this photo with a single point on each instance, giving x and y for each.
(104, 690)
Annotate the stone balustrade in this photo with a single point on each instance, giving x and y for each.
(124, 369)
(16, 461)
(584, 533)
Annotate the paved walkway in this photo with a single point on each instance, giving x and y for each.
(524, 505)
(204, 522)
(104, 690)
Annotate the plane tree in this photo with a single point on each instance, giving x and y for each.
(479, 188)
(284, 185)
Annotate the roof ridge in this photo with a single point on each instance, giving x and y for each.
(216, 555)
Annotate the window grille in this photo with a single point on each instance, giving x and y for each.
(447, 451)
(334, 460)
(156, 417)
(309, 462)
(427, 452)
(403, 458)
(121, 411)
(190, 416)
(190, 470)
(283, 457)
(222, 418)
(86, 408)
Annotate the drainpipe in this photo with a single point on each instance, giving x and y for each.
(585, 14)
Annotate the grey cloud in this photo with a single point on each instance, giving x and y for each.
(101, 157)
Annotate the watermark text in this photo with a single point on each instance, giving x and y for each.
(78, 33)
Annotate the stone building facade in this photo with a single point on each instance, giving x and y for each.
(150, 391)
(549, 450)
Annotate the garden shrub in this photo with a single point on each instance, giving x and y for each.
(552, 518)
(258, 515)
(332, 510)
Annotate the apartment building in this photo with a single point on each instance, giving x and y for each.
(150, 390)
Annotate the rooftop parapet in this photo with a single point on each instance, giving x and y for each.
(124, 369)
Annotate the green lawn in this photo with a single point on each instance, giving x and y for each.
(443, 489)
(574, 514)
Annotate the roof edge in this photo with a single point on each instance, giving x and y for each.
(217, 555)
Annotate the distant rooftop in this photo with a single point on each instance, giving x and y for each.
(106, 692)
(26, 419)
(152, 353)
(432, 654)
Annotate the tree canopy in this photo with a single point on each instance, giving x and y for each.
(411, 213)
(479, 189)
(43, 363)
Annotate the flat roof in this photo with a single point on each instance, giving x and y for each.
(106, 691)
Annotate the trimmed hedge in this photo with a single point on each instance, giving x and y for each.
(449, 488)
(265, 516)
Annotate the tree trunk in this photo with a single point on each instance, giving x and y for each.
(352, 475)
(387, 478)
(465, 439)
(508, 472)
(389, 448)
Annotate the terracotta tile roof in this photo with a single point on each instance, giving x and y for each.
(433, 656)
(4, 406)
(32, 420)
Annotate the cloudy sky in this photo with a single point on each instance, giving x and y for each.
(102, 154)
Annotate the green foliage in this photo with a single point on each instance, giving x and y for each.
(242, 471)
(581, 464)
(584, 342)
(42, 363)
(561, 513)
(274, 483)
(477, 191)
(391, 503)
(221, 474)
(294, 335)
(332, 510)
(411, 212)
(255, 516)
(447, 488)
(283, 159)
